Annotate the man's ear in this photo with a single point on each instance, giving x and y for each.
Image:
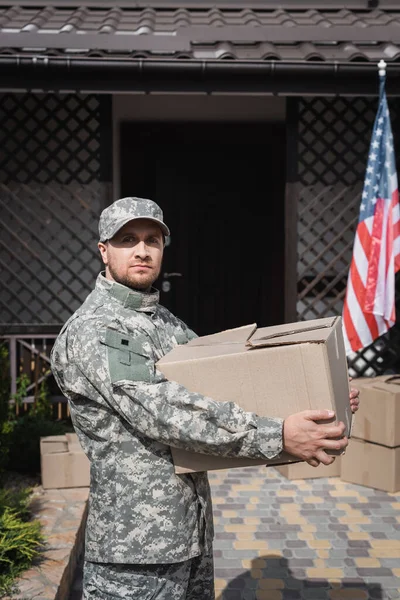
(102, 246)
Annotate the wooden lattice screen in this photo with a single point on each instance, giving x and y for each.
(333, 142)
(51, 195)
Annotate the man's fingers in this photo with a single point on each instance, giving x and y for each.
(318, 415)
(335, 444)
(307, 433)
(332, 431)
(325, 458)
(313, 462)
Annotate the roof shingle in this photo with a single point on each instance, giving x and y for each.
(207, 34)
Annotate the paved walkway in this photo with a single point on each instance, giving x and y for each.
(319, 539)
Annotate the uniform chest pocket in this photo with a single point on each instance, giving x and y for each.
(126, 358)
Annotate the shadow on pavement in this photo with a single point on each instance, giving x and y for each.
(272, 578)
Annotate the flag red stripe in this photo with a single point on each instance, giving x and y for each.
(351, 331)
(374, 254)
(389, 241)
(360, 292)
(358, 286)
(396, 230)
(365, 238)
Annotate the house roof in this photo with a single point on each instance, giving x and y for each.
(204, 33)
(266, 32)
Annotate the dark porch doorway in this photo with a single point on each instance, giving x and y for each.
(221, 187)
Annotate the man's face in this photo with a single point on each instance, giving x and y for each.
(133, 256)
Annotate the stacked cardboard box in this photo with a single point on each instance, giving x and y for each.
(63, 462)
(373, 456)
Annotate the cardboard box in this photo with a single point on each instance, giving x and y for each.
(53, 443)
(273, 371)
(378, 418)
(74, 444)
(63, 462)
(371, 465)
(303, 470)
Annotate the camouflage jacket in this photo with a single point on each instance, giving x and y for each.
(127, 415)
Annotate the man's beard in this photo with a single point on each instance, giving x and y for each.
(131, 282)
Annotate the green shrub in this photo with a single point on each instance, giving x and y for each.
(24, 440)
(6, 433)
(42, 405)
(20, 435)
(20, 538)
(5, 425)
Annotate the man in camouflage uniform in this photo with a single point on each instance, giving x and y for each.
(149, 531)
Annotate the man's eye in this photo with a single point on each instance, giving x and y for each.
(128, 238)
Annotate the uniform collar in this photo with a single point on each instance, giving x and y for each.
(133, 299)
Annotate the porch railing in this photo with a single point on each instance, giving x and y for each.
(29, 354)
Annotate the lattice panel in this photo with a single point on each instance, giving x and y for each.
(48, 257)
(49, 138)
(326, 220)
(50, 201)
(334, 138)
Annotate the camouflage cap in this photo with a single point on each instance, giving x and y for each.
(124, 210)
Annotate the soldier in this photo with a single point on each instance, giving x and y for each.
(149, 531)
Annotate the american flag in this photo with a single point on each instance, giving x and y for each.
(369, 308)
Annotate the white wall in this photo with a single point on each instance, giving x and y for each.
(189, 107)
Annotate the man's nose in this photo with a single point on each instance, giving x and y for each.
(141, 250)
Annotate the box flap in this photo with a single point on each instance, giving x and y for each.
(316, 331)
(231, 341)
(239, 335)
(53, 444)
(392, 379)
(248, 337)
(390, 383)
(53, 438)
(381, 382)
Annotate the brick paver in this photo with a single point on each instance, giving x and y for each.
(323, 538)
(319, 539)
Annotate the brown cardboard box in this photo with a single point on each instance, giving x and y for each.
(360, 382)
(303, 470)
(53, 443)
(371, 465)
(63, 462)
(73, 442)
(378, 418)
(273, 371)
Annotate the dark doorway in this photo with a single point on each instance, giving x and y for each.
(221, 187)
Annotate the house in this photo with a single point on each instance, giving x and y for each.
(249, 122)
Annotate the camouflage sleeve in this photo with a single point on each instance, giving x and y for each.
(167, 412)
(191, 335)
